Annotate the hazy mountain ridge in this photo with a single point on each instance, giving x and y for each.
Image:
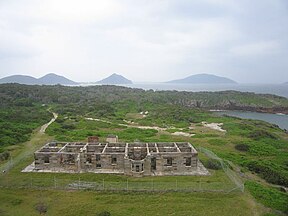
(115, 79)
(21, 79)
(204, 79)
(48, 79)
(54, 79)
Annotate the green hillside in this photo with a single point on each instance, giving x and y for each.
(255, 151)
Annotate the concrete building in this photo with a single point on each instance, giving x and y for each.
(134, 159)
(112, 138)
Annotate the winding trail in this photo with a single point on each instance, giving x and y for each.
(38, 138)
(45, 126)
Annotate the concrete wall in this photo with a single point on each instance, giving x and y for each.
(117, 159)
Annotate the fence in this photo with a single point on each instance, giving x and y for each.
(121, 185)
(230, 173)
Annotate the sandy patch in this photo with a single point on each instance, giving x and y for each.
(133, 125)
(180, 133)
(214, 126)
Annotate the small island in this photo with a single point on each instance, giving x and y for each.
(203, 79)
(115, 79)
(48, 79)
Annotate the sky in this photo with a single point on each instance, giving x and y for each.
(145, 40)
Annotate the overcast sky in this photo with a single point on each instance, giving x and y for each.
(145, 40)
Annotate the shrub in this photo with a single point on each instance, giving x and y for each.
(268, 173)
(213, 164)
(16, 202)
(41, 208)
(259, 134)
(242, 147)
(269, 196)
(4, 156)
(103, 213)
(68, 126)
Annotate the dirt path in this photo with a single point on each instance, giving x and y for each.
(38, 138)
(45, 126)
(177, 133)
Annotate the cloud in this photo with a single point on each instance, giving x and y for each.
(143, 40)
(256, 49)
(16, 45)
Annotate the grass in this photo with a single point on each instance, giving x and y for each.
(269, 196)
(25, 150)
(269, 144)
(22, 202)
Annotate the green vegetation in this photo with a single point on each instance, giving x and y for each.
(212, 164)
(242, 147)
(268, 172)
(4, 156)
(259, 149)
(88, 203)
(269, 196)
(18, 122)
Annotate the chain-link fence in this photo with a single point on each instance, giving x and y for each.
(233, 176)
(121, 185)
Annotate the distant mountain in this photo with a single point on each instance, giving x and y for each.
(49, 79)
(54, 79)
(204, 79)
(115, 79)
(22, 79)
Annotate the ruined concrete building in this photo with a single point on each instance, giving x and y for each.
(135, 159)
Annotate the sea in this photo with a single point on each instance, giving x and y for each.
(279, 119)
(276, 89)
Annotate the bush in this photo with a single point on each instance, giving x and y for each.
(41, 208)
(104, 213)
(242, 147)
(269, 196)
(68, 126)
(268, 173)
(16, 202)
(4, 156)
(259, 134)
(213, 164)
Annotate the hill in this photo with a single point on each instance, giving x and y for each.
(49, 79)
(53, 79)
(254, 149)
(115, 79)
(204, 79)
(21, 79)
(228, 100)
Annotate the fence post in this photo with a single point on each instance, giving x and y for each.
(127, 186)
(152, 184)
